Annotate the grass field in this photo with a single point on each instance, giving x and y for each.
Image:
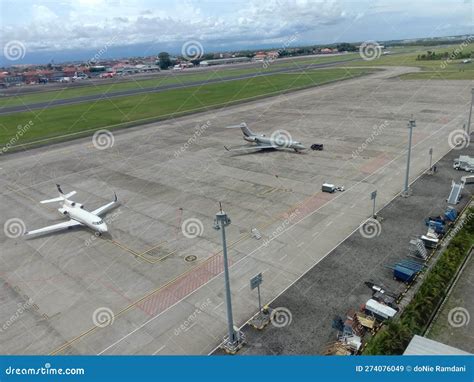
(64, 120)
(430, 70)
(170, 78)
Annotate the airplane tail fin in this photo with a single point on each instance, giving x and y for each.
(62, 196)
(245, 129)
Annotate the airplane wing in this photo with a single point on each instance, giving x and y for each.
(54, 228)
(248, 147)
(106, 207)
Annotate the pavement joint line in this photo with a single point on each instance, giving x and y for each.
(142, 299)
(341, 242)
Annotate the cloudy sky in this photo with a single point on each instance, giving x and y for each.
(74, 29)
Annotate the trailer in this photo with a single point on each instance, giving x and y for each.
(329, 188)
(468, 179)
(403, 273)
(380, 311)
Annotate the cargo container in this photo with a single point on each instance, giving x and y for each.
(403, 274)
(380, 311)
(328, 188)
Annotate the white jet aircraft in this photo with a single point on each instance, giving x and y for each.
(79, 217)
(276, 141)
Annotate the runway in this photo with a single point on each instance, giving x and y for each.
(157, 89)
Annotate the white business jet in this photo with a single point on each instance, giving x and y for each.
(78, 216)
(260, 142)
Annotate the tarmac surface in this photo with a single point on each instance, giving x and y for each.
(361, 258)
(150, 286)
(157, 89)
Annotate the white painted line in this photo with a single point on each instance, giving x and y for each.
(283, 257)
(329, 223)
(160, 349)
(258, 248)
(314, 234)
(218, 305)
(300, 244)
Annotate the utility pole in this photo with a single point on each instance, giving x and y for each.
(234, 340)
(468, 131)
(411, 125)
(431, 159)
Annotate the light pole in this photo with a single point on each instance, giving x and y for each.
(468, 131)
(431, 159)
(233, 341)
(373, 196)
(411, 125)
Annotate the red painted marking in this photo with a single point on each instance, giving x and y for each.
(418, 136)
(171, 294)
(376, 163)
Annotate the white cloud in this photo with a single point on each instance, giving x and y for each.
(81, 24)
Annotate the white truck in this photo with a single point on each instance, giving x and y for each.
(464, 163)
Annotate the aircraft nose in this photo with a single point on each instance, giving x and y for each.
(103, 228)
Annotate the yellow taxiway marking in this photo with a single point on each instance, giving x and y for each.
(18, 192)
(142, 299)
(148, 295)
(153, 292)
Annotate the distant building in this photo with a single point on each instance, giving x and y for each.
(260, 56)
(424, 346)
(221, 61)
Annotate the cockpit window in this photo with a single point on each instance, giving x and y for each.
(98, 222)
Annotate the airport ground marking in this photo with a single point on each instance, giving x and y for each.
(287, 228)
